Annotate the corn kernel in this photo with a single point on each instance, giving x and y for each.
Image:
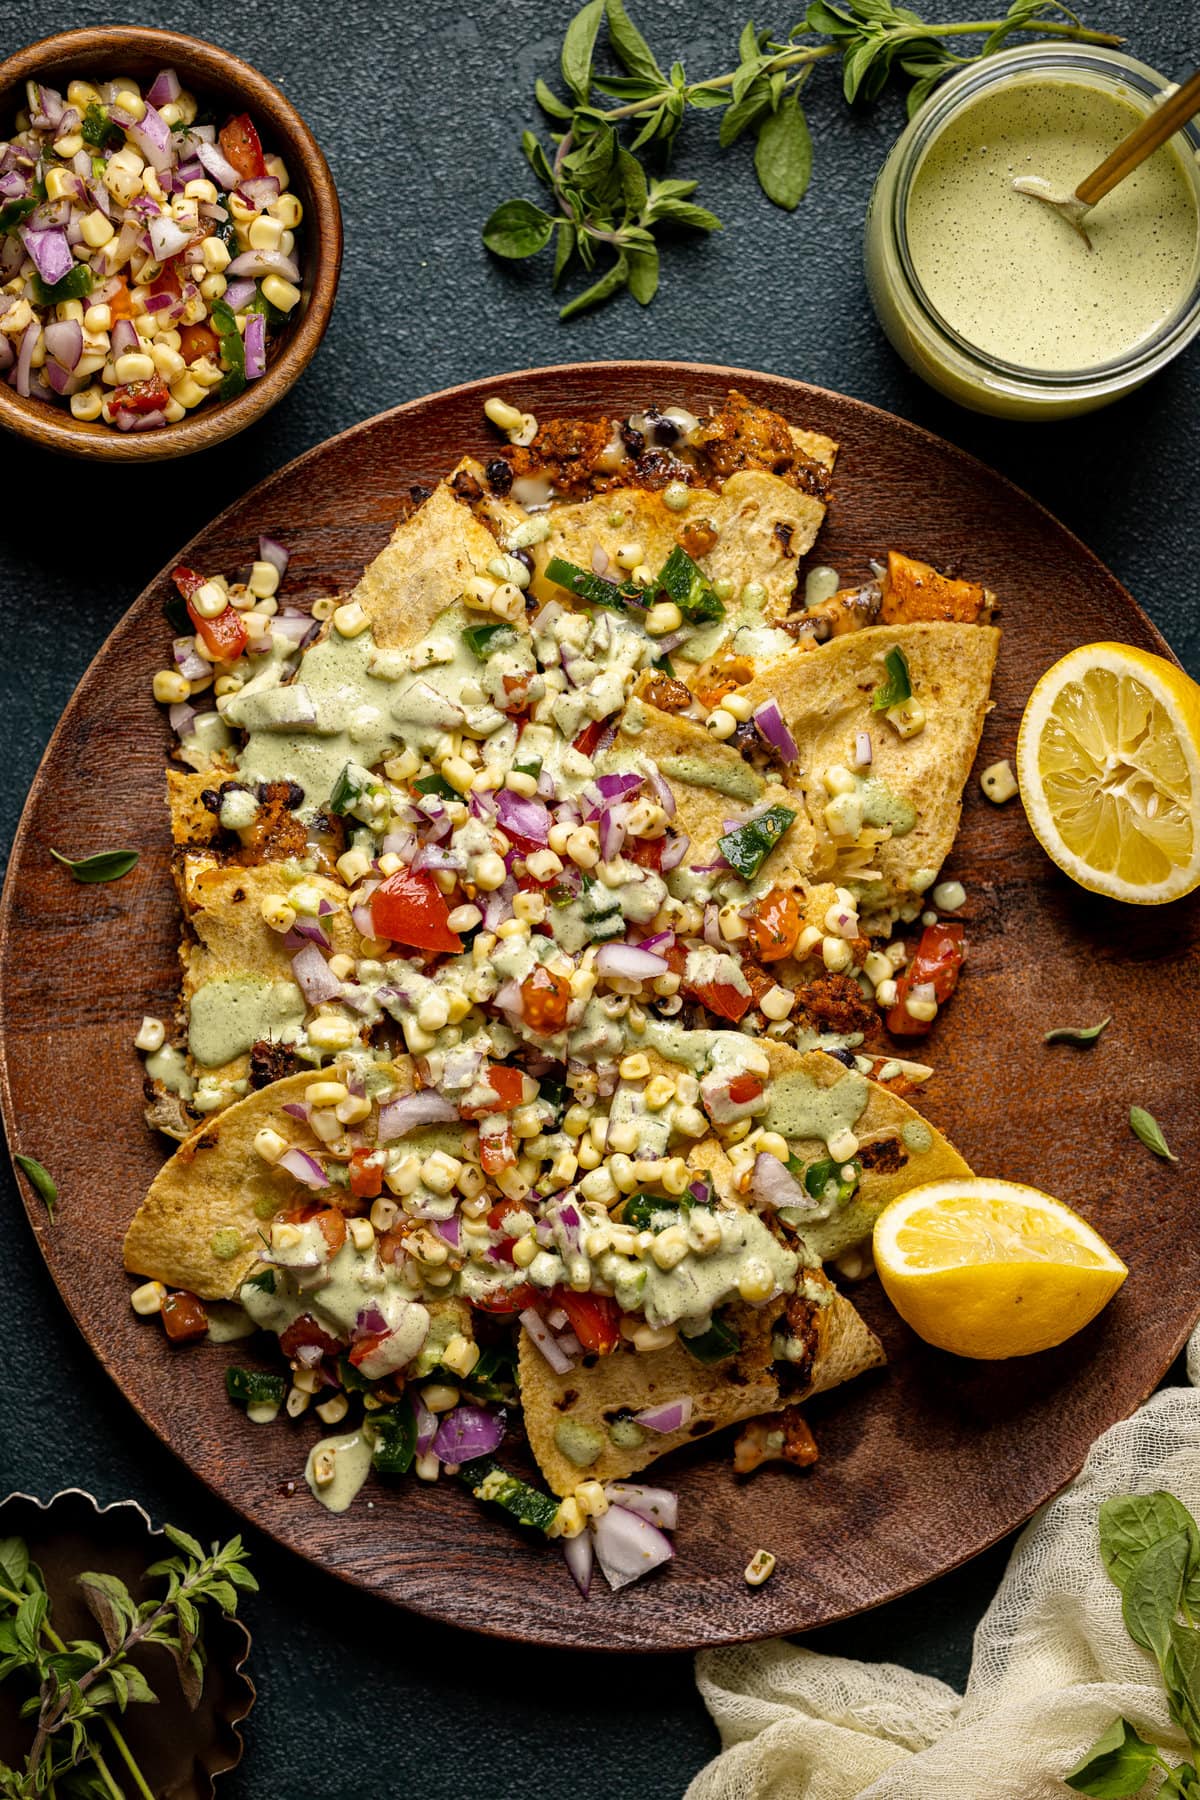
(759, 1568)
(278, 913)
(998, 782)
(721, 723)
(634, 1068)
(329, 1032)
(439, 1396)
(333, 1411)
(148, 1299)
(280, 293)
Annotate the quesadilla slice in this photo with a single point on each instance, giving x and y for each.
(884, 785)
(583, 1425)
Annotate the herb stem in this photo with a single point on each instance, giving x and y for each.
(128, 1759)
(788, 59)
(106, 1774)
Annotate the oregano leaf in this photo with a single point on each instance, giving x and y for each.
(783, 155)
(1146, 1128)
(1116, 1765)
(40, 1179)
(1076, 1034)
(613, 279)
(104, 865)
(631, 48)
(517, 229)
(578, 47)
(14, 1562)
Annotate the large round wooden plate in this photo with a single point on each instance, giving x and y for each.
(922, 1465)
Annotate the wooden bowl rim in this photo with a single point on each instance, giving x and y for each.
(81, 51)
(658, 371)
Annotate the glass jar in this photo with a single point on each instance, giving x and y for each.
(927, 342)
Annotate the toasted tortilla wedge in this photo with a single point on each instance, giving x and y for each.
(667, 740)
(217, 1182)
(763, 526)
(721, 1394)
(825, 696)
(424, 569)
(232, 938)
(897, 1147)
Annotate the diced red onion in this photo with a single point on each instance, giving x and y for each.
(20, 376)
(60, 379)
(629, 962)
(545, 1340)
(190, 664)
(163, 88)
(297, 1110)
(369, 1323)
(398, 1117)
(182, 717)
(308, 931)
(168, 237)
(255, 346)
(580, 1556)
(712, 928)
(152, 135)
(666, 1417)
(432, 856)
(364, 924)
(270, 549)
(295, 629)
(660, 942)
(658, 1506)
(427, 1426)
(526, 818)
(239, 294)
(64, 341)
(773, 1185)
(662, 788)
(449, 1229)
(674, 851)
(6, 355)
(467, 1432)
(263, 262)
(509, 998)
(304, 1167)
(628, 1546)
(599, 560)
(862, 748)
(923, 990)
(616, 787)
(314, 977)
(309, 1355)
(557, 1320)
(612, 831)
(50, 252)
(772, 729)
(220, 168)
(259, 190)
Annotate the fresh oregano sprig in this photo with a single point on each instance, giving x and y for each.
(1150, 1545)
(76, 1687)
(609, 206)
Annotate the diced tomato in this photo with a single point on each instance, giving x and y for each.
(410, 908)
(506, 1300)
(224, 636)
(775, 925)
(392, 1243)
(497, 1151)
(589, 738)
(242, 146)
(332, 1226)
(366, 1346)
(545, 998)
(507, 1084)
(938, 960)
(196, 341)
(183, 1317)
(366, 1175)
(501, 1210)
(745, 1088)
(304, 1333)
(120, 303)
(647, 853)
(595, 1318)
(142, 396)
(722, 999)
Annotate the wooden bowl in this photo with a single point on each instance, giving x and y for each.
(212, 73)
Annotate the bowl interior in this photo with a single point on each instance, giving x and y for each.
(223, 85)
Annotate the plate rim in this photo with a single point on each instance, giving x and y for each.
(611, 369)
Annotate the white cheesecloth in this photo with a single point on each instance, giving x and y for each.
(1053, 1664)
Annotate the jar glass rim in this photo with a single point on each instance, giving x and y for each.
(1117, 69)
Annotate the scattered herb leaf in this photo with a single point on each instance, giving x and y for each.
(1146, 1127)
(607, 203)
(105, 865)
(40, 1179)
(1076, 1034)
(1150, 1545)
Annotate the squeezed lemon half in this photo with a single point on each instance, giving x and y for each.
(1108, 759)
(992, 1268)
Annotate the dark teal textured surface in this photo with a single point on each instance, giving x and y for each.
(419, 109)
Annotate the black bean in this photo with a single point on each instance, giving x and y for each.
(500, 475)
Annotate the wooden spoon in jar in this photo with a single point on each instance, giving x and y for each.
(1142, 142)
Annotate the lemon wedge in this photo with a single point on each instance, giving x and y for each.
(1108, 759)
(992, 1268)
